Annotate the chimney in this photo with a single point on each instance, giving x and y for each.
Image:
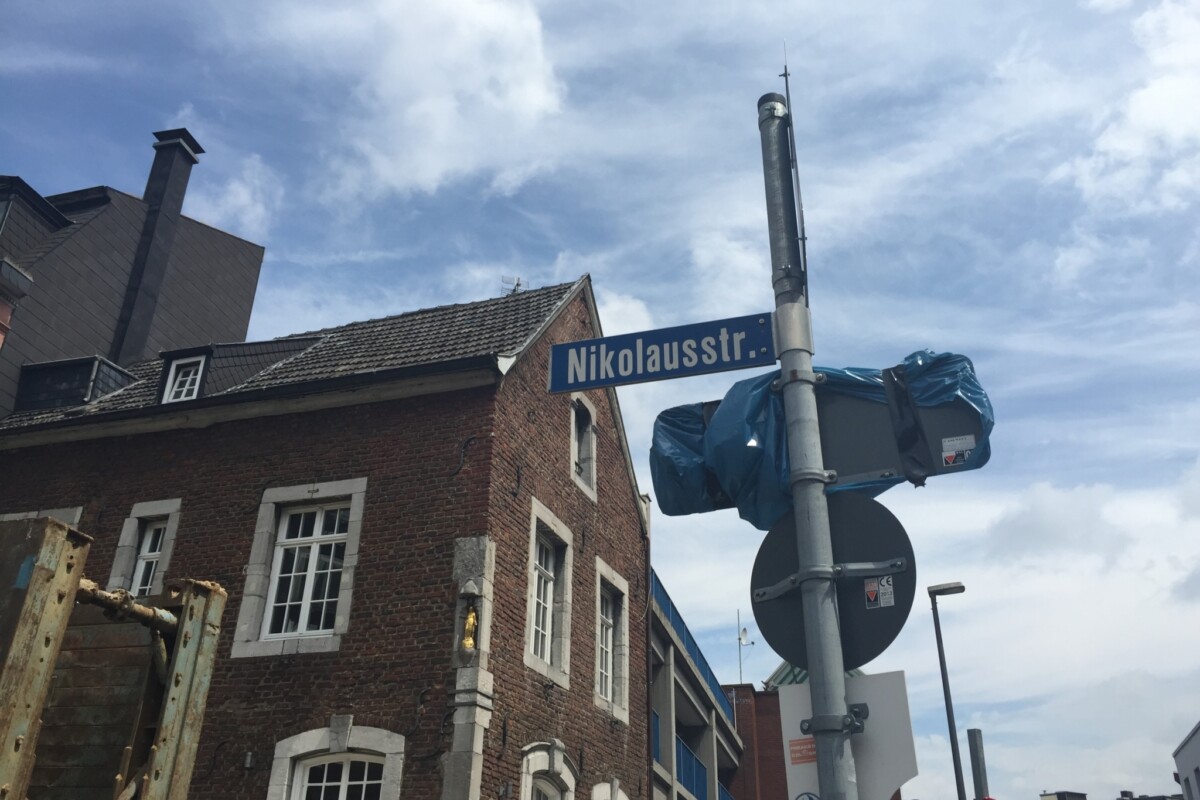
(175, 152)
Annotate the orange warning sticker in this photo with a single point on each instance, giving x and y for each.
(802, 751)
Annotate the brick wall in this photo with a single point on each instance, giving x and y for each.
(426, 487)
(761, 775)
(533, 437)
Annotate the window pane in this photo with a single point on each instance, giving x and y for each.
(358, 769)
(373, 792)
(313, 793)
(293, 527)
(145, 578)
(316, 773)
(374, 771)
(307, 522)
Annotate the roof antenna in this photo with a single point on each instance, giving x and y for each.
(510, 284)
(787, 90)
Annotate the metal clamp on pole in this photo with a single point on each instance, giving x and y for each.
(793, 581)
(854, 722)
(869, 569)
(826, 476)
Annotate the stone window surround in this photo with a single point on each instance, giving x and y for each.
(247, 637)
(548, 761)
(588, 487)
(342, 736)
(542, 518)
(125, 559)
(619, 705)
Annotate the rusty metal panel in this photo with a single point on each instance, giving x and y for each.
(38, 595)
(209, 604)
(102, 698)
(187, 691)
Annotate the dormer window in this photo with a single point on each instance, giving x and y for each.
(183, 381)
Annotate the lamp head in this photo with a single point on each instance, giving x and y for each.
(946, 588)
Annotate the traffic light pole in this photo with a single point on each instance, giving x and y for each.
(831, 723)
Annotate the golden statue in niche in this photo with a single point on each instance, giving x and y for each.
(469, 626)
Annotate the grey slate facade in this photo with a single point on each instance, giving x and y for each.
(117, 276)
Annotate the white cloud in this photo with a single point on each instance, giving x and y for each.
(244, 203)
(17, 58)
(1142, 157)
(429, 92)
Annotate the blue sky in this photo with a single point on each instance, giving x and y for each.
(1015, 182)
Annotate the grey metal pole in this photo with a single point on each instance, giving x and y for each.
(958, 773)
(830, 723)
(978, 763)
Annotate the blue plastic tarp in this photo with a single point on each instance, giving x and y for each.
(738, 456)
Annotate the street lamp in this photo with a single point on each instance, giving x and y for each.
(934, 591)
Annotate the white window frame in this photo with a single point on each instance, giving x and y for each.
(295, 753)
(547, 763)
(248, 638)
(125, 559)
(312, 544)
(545, 527)
(609, 582)
(150, 547)
(300, 776)
(583, 445)
(191, 388)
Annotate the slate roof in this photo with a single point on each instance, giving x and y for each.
(376, 349)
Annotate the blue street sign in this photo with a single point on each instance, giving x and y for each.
(697, 349)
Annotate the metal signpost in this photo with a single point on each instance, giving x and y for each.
(831, 723)
(795, 585)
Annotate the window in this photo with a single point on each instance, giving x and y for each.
(143, 553)
(583, 444)
(149, 552)
(543, 599)
(354, 777)
(341, 762)
(604, 644)
(307, 574)
(548, 627)
(183, 380)
(547, 772)
(612, 642)
(300, 576)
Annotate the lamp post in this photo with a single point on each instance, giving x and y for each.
(934, 592)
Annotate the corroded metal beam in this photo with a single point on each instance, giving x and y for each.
(123, 606)
(38, 579)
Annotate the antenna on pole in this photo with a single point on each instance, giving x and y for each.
(787, 91)
(510, 284)
(743, 641)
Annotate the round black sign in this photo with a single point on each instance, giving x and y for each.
(871, 609)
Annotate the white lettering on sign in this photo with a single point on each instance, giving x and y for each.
(593, 362)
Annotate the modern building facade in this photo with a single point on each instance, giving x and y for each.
(1187, 764)
(695, 747)
(437, 571)
(101, 275)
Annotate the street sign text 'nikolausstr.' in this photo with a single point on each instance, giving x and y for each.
(704, 347)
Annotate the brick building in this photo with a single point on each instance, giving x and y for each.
(101, 274)
(438, 573)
